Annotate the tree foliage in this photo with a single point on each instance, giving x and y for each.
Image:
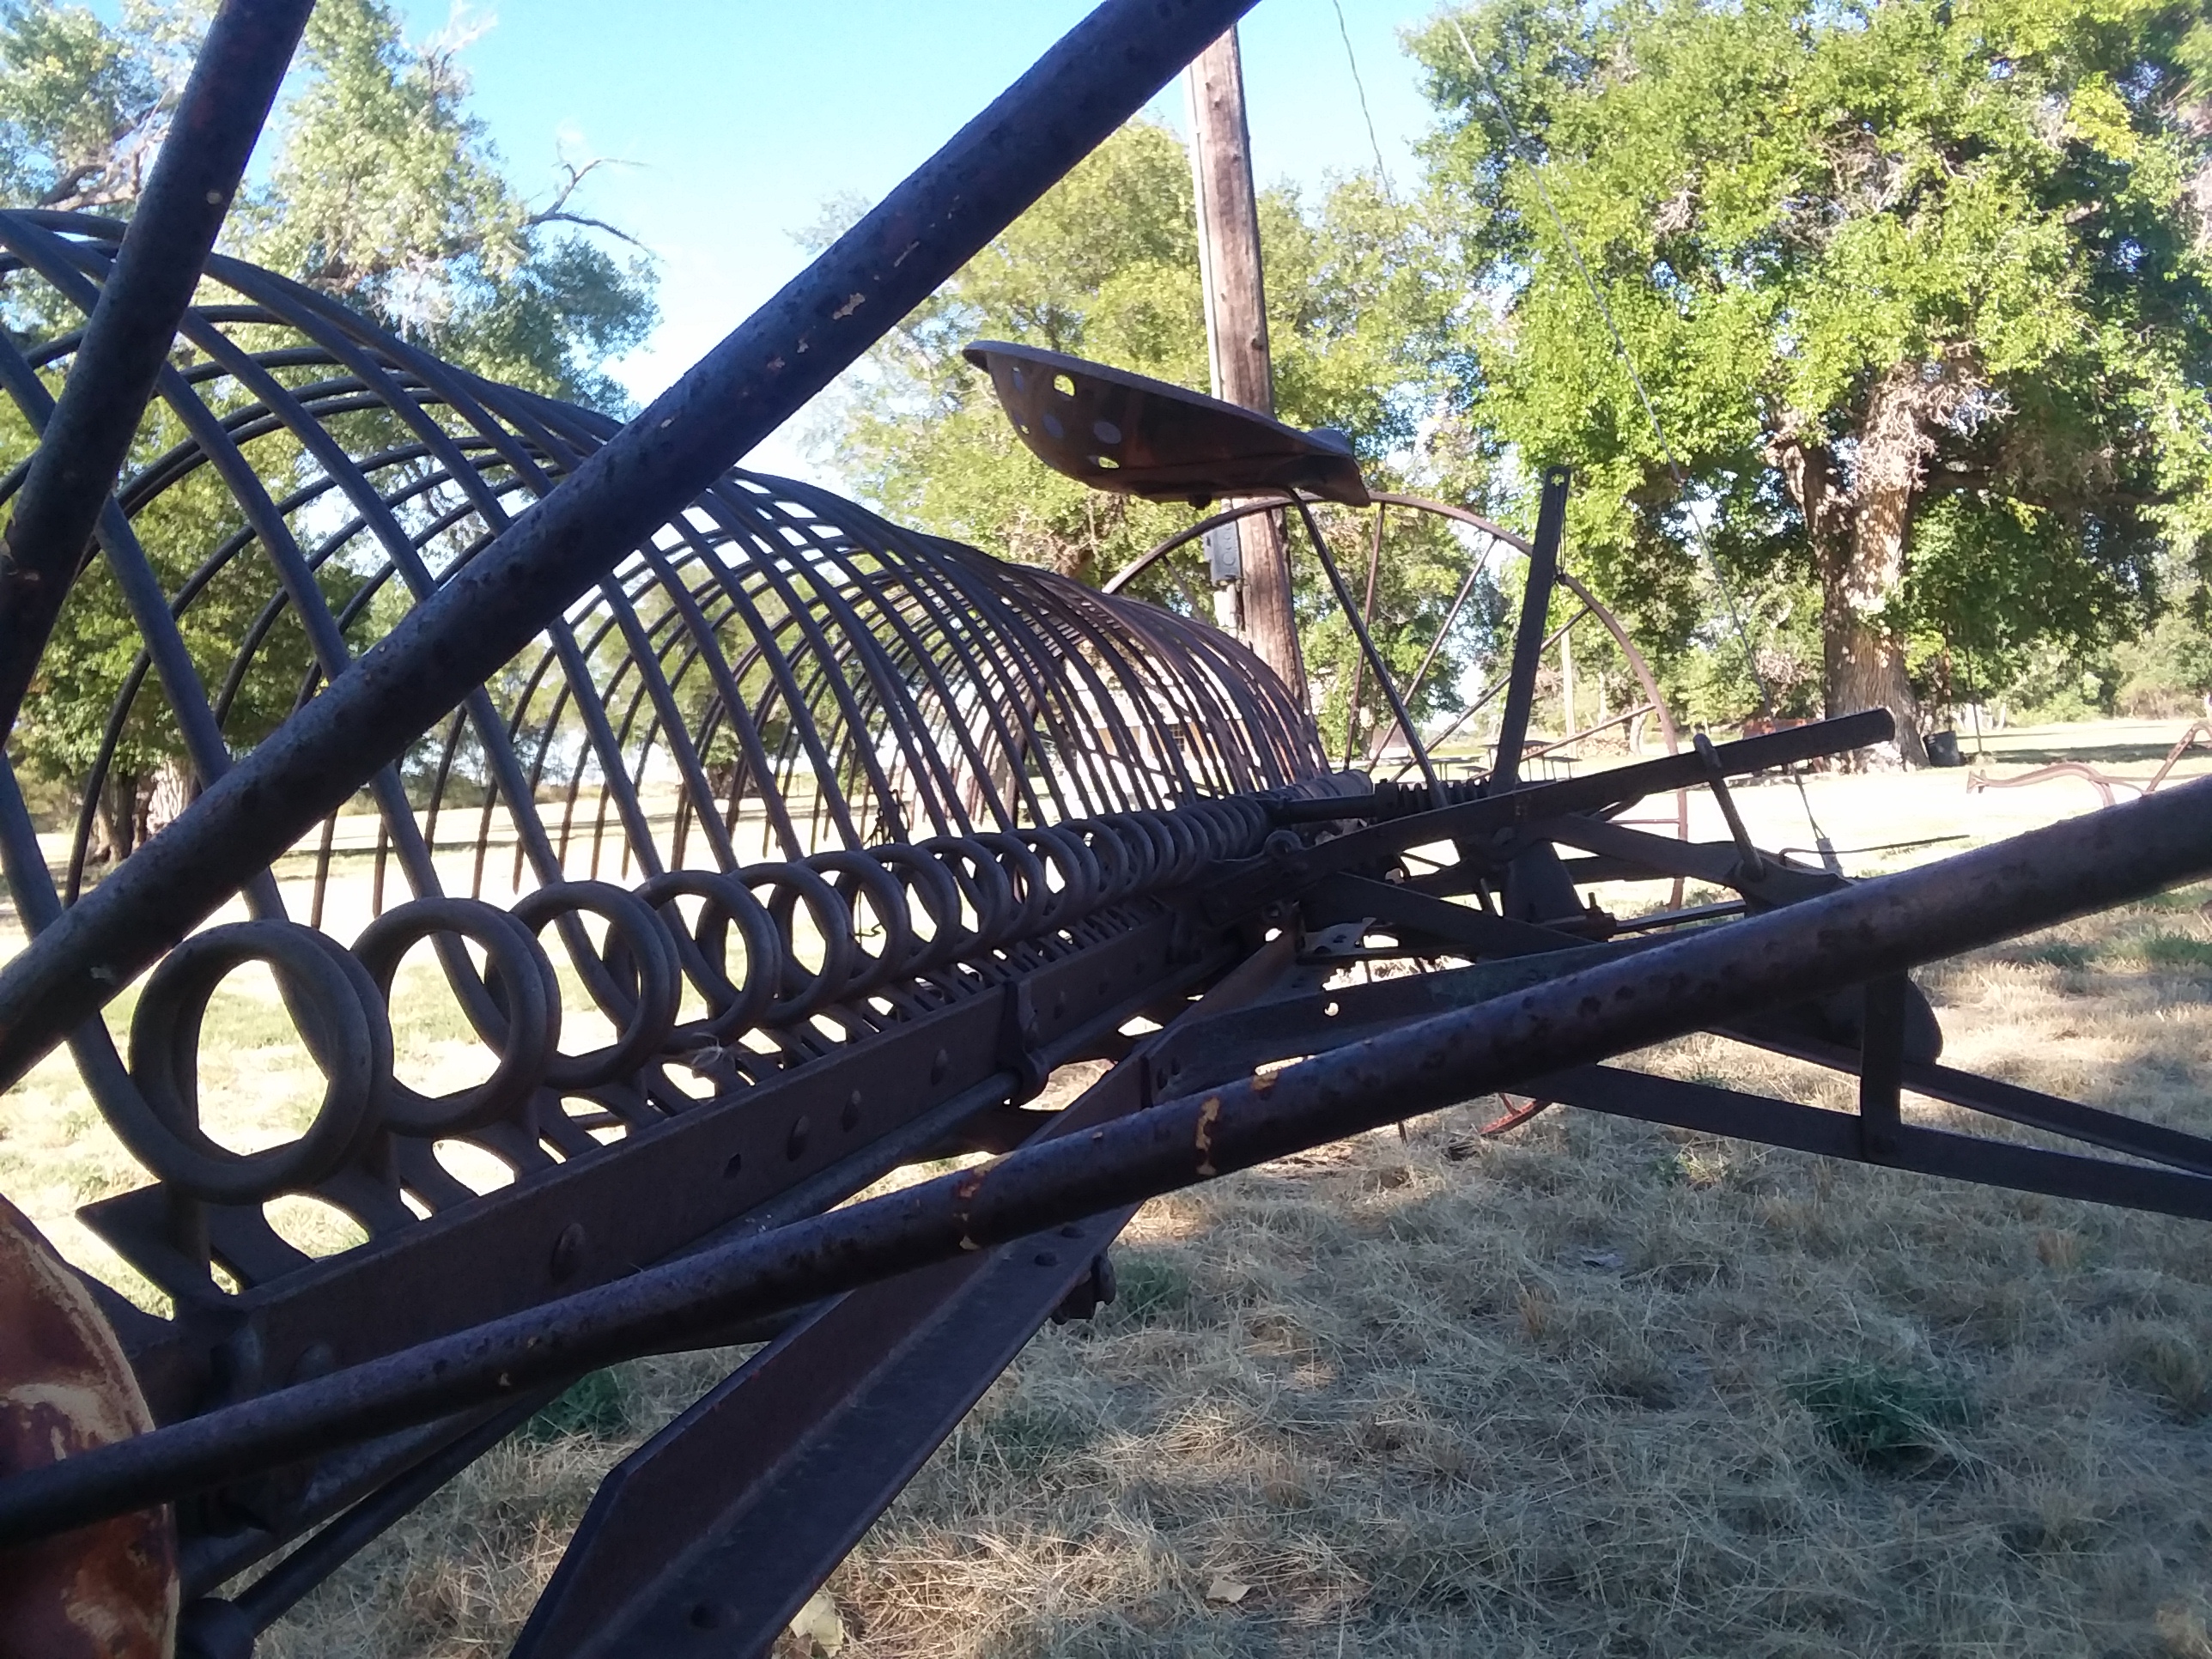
(386, 193)
(83, 106)
(383, 193)
(1919, 289)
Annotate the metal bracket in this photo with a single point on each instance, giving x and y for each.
(1020, 1037)
(1090, 1294)
(1753, 863)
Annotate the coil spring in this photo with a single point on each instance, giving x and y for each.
(1017, 885)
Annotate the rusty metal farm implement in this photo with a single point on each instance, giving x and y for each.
(845, 838)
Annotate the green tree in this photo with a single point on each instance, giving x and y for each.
(2168, 670)
(1920, 289)
(385, 193)
(83, 106)
(1105, 266)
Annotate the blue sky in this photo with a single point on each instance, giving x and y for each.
(741, 120)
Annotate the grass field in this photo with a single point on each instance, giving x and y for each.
(1592, 1388)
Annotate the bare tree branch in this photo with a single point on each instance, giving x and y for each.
(549, 217)
(555, 211)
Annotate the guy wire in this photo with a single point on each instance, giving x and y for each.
(1382, 172)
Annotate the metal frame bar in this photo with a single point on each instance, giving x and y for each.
(877, 685)
(1536, 620)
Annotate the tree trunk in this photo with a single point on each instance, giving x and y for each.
(116, 818)
(1865, 660)
(1566, 683)
(168, 792)
(1864, 664)
(1860, 535)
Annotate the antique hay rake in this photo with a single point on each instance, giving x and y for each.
(849, 837)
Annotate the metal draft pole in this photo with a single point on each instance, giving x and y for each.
(1237, 331)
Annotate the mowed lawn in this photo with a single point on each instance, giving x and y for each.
(1589, 1388)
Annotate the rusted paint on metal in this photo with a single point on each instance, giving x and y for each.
(107, 1591)
(965, 1194)
(1202, 1137)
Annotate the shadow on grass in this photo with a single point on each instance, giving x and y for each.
(595, 1407)
(2101, 754)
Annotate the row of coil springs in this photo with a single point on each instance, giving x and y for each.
(929, 906)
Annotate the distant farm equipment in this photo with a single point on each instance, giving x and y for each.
(2199, 735)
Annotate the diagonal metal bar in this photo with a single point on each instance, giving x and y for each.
(1389, 686)
(276, 1592)
(1529, 642)
(1367, 615)
(225, 103)
(1718, 975)
(1256, 880)
(809, 1448)
(1098, 75)
(1713, 1110)
(2008, 1102)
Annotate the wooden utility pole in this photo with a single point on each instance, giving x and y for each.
(1237, 328)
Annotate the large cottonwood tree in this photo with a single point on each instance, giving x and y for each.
(1899, 275)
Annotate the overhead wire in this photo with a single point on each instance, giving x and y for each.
(1375, 552)
(1382, 172)
(1703, 539)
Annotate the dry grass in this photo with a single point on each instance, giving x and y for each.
(1607, 1389)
